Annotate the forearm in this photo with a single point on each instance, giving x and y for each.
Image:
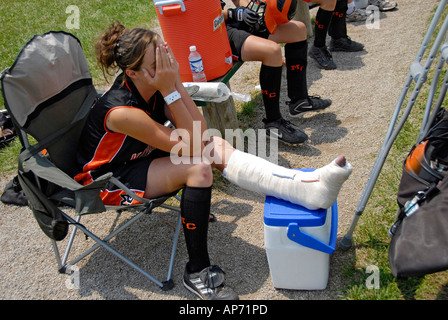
(191, 107)
(189, 135)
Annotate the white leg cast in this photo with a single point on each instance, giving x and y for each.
(313, 190)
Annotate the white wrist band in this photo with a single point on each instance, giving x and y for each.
(173, 96)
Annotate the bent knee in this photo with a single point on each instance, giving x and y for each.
(275, 49)
(300, 30)
(292, 31)
(273, 53)
(201, 175)
(328, 5)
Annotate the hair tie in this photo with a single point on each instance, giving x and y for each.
(117, 45)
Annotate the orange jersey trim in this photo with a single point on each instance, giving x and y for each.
(120, 198)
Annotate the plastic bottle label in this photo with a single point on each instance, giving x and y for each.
(196, 66)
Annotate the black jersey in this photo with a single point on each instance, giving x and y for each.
(100, 150)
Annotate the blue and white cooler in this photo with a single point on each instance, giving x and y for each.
(299, 243)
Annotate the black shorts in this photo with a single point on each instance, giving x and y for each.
(237, 38)
(133, 174)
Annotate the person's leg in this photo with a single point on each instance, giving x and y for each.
(196, 180)
(317, 189)
(338, 30)
(270, 82)
(384, 5)
(350, 6)
(165, 177)
(294, 35)
(338, 26)
(354, 14)
(322, 21)
(319, 51)
(270, 54)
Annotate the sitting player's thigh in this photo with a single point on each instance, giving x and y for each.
(165, 175)
(292, 31)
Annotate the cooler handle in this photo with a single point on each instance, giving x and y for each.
(162, 3)
(295, 234)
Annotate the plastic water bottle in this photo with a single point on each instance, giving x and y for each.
(197, 68)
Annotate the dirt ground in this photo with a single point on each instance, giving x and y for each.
(364, 90)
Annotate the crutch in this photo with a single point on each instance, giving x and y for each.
(429, 118)
(418, 73)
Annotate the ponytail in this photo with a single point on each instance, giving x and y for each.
(121, 48)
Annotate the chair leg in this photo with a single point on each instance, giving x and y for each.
(63, 264)
(63, 267)
(168, 284)
(56, 253)
(105, 245)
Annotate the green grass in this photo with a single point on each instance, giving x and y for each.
(246, 111)
(20, 20)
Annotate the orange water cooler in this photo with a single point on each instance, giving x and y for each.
(200, 23)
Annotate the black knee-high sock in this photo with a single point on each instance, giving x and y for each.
(296, 63)
(338, 26)
(195, 211)
(270, 83)
(323, 18)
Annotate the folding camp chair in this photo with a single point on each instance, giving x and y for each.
(48, 92)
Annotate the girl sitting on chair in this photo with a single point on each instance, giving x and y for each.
(125, 134)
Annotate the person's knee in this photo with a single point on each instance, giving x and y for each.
(219, 153)
(328, 5)
(273, 54)
(202, 175)
(275, 50)
(293, 31)
(300, 30)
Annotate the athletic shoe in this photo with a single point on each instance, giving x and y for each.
(208, 284)
(323, 57)
(384, 5)
(286, 131)
(300, 107)
(356, 15)
(345, 44)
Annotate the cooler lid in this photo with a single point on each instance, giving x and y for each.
(280, 213)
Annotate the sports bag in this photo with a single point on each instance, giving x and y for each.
(7, 130)
(419, 235)
(419, 245)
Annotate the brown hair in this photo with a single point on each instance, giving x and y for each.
(121, 48)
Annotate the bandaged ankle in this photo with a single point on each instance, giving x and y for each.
(313, 190)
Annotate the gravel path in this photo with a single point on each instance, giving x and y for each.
(364, 90)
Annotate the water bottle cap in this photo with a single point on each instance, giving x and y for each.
(192, 48)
